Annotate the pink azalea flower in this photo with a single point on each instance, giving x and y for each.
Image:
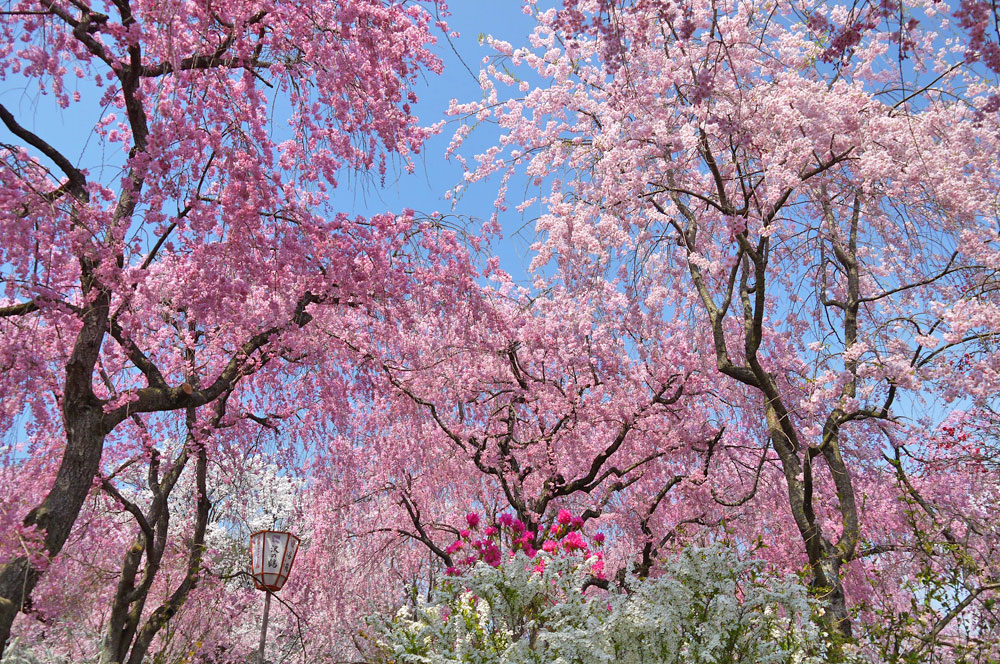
(573, 541)
(492, 556)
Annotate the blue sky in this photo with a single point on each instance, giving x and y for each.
(424, 189)
(69, 131)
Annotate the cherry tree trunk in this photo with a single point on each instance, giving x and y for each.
(56, 514)
(83, 416)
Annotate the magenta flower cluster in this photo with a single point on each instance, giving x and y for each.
(510, 535)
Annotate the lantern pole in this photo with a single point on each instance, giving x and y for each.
(263, 626)
(271, 556)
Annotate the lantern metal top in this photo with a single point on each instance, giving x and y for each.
(272, 553)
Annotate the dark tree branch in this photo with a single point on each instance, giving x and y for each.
(18, 309)
(77, 180)
(414, 514)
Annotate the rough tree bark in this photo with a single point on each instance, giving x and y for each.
(747, 285)
(134, 583)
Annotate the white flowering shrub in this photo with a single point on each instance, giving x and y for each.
(19, 652)
(706, 606)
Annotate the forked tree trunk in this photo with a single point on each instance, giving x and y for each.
(126, 638)
(56, 514)
(83, 417)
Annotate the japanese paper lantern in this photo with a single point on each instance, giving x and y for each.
(272, 553)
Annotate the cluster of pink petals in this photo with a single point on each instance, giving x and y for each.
(565, 537)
